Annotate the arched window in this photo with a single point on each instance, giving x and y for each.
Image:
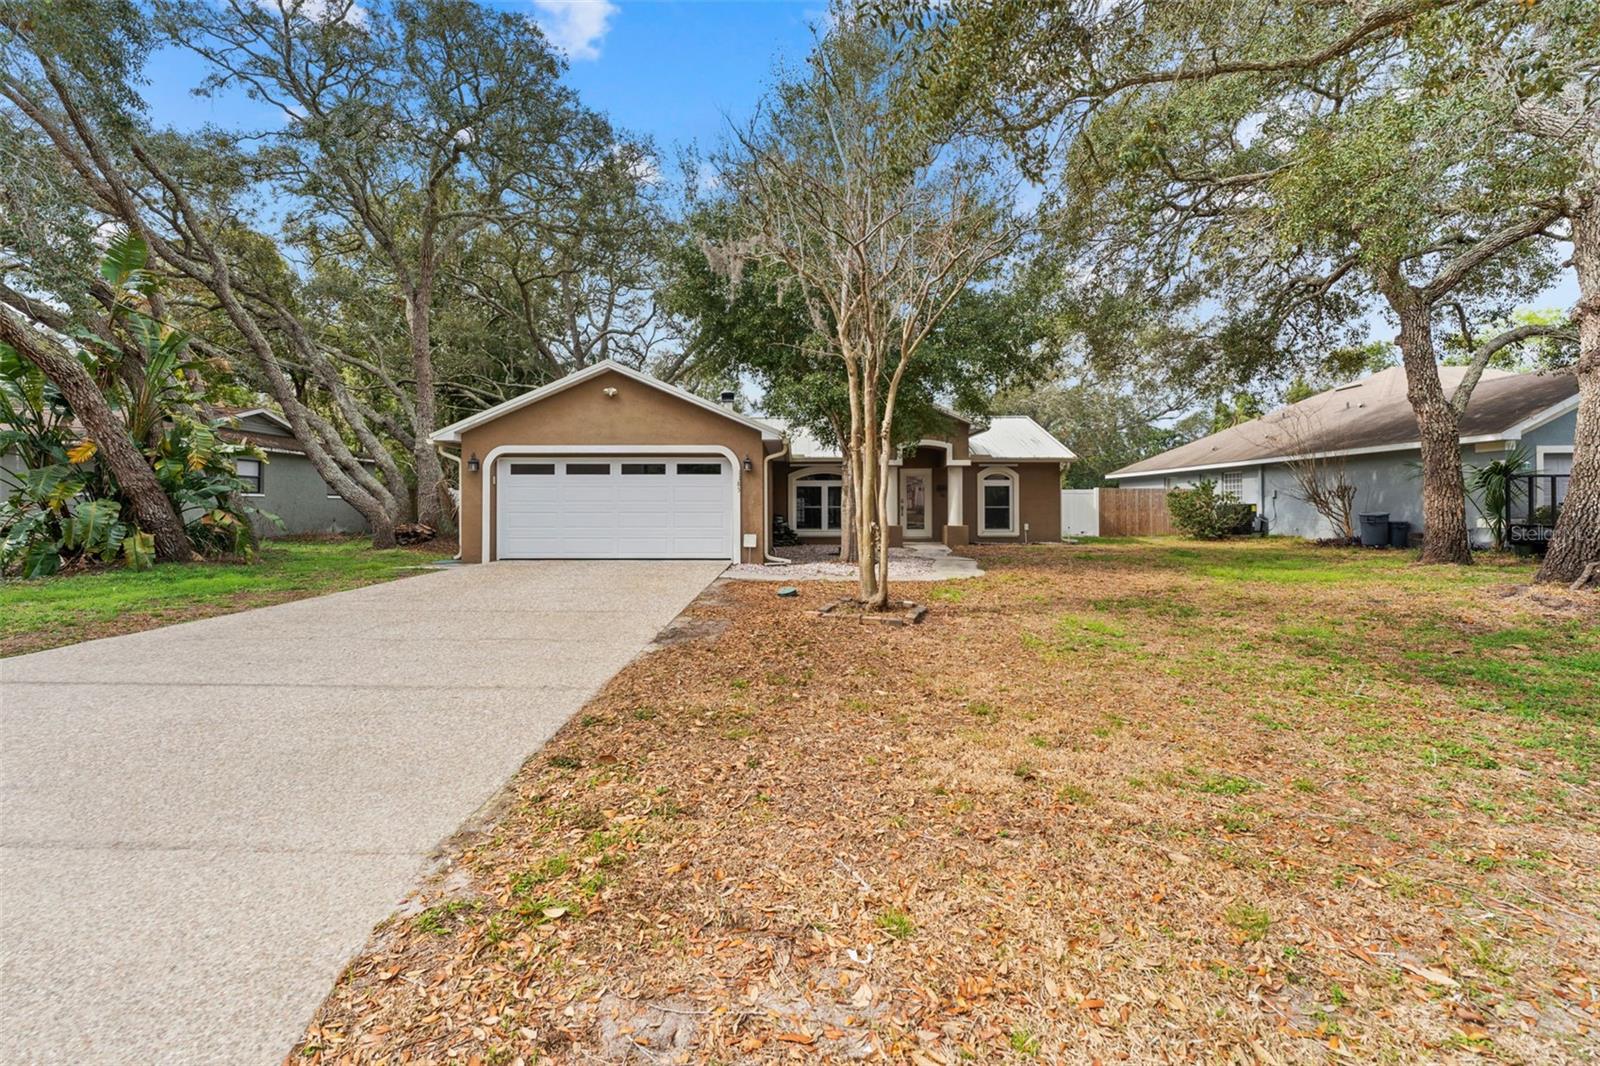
(815, 499)
(997, 503)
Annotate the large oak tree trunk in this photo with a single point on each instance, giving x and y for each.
(1577, 537)
(430, 473)
(1444, 493)
(152, 507)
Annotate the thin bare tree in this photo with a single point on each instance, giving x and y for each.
(1317, 465)
(883, 221)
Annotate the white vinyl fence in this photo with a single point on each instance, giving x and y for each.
(1080, 512)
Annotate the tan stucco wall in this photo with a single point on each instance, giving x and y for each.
(1038, 485)
(958, 439)
(583, 416)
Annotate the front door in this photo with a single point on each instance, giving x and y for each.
(914, 493)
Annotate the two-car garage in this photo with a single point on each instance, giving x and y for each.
(611, 463)
(630, 507)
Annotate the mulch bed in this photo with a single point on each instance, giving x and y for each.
(1094, 808)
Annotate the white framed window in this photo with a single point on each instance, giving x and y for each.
(250, 472)
(1231, 483)
(816, 501)
(997, 502)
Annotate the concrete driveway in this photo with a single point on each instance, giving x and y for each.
(200, 824)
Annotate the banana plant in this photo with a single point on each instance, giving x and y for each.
(64, 506)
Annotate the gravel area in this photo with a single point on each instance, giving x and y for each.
(819, 562)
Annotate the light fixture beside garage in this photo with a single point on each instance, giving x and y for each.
(748, 465)
(472, 462)
(611, 394)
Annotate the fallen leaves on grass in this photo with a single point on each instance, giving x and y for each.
(1246, 832)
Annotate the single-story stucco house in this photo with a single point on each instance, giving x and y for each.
(610, 463)
(286, 485)
(1369, 426)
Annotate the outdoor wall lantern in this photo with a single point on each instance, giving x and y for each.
(748, 466)
(472, 463)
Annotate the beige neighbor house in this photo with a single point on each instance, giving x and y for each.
(611, 463)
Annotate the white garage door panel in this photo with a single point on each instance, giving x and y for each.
(566, 515)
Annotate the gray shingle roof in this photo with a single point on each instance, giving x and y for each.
(1372, 414)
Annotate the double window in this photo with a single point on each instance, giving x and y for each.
(997, 503)
(818, 500)
(249, 472)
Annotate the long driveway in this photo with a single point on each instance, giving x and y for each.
(200, 824)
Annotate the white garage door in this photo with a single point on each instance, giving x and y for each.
(673, 507)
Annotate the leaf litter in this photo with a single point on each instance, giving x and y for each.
(1108, 804)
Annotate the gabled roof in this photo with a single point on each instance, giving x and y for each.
(240, 414)
(1370, 415)
(1018, 437)
(452, 433)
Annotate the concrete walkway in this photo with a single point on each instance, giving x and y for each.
(200, 824)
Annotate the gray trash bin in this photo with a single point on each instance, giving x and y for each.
(1399, 534)
(1374, 530)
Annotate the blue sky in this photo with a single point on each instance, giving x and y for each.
(674, 70)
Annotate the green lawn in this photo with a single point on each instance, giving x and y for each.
(64, 610)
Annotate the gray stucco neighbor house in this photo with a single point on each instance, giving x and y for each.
(1369, 425)
(287, 485)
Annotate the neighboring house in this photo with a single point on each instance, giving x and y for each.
(287, 485)
(1369, 426)
(609, 462)
(11, 464)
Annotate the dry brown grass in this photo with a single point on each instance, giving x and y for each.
(1138, 802)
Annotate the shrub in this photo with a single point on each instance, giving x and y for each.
(1206, 514)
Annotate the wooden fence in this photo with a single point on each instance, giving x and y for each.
(1134, 513)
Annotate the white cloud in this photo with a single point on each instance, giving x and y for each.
(575, 26)
(645, 170)
(707, 178)
(1250, 128)
(345, 11)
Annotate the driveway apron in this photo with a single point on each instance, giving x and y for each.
(200, 824)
